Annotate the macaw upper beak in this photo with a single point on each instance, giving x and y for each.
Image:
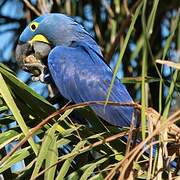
(39, 49)
(22, 51)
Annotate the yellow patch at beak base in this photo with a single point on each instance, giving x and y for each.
(40, 38)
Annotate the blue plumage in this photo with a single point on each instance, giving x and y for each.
(77, 67)
(81, 75)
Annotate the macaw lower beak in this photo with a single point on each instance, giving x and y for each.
(32, 57)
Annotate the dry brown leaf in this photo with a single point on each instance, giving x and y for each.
(169, 63)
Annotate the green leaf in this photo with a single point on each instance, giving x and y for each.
(167, 46)
(144, 93)
(62, 142)
(8, 135)
(36, 104)
(169, 96)
(97, 177)
(46, 144)
(123, 50)
(4, 90)
(66, 165)
(76, 174)
(52, 158)
(99, 135)
(16, 157)
(89, 171)
(3, 109)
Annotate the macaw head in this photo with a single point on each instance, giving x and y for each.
(46, 32)
(55, 29)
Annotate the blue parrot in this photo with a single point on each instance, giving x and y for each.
(77, 66)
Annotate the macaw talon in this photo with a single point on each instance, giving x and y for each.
(47, 79)
(38, 78)
(38, 70)
(38, 67)
(44, 78)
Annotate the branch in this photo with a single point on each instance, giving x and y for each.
(123, 26)
(60, 111)
(30, 6)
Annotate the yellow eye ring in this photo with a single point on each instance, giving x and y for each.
(33, 26)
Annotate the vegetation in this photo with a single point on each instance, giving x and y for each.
(140, 40)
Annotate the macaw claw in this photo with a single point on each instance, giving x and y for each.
(38, 70)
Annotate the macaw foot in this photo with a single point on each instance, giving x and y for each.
(33, 58)
(39, 71)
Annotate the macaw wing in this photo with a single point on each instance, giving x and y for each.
(81, 75)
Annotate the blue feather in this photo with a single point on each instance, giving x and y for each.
(81, 75)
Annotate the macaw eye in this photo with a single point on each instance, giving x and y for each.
(33, 26)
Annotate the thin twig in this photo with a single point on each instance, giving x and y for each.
(46, 120)
(130, 135)
(86, 148)
(30, 6)
(149, 146)
(123, 26)
(45, 6)
(133, 153)
(108, 8)
(125, 4)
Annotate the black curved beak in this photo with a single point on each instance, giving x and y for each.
(39, 49)
(21, 42)
(33, 58)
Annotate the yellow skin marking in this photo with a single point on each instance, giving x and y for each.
(39, 37)
(33, 26)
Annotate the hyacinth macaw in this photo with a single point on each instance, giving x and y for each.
(77, 66)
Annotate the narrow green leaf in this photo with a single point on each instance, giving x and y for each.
(25, 94)
(52, 158)
(95, 136)
(69, 131)
(151, 20)
(144, 93)
(62, 142)
(5, 136)
(97, 177)
(123, 50)
(89, 171)
(170, 94)
(16, 157)
(15, 111)
(7, 119)
(139, 45)
(3, 109)
(167, 46)
(65, 167)
(76, 174)
(44, 150)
